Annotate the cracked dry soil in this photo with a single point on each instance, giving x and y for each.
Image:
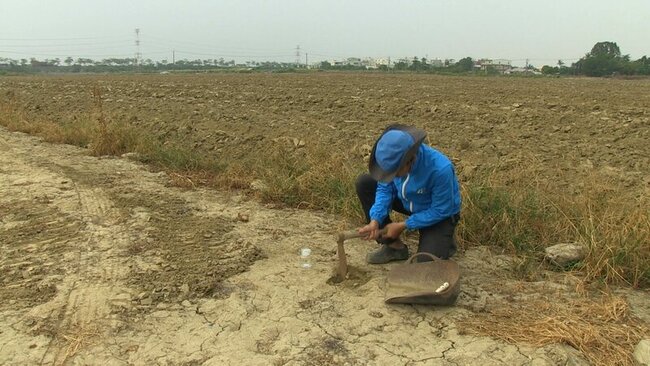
(103, 262)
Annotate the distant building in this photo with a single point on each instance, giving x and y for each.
(436, 62)
(375, 63)
(369, 63)
(500, 65)
(522, 70)
(353, 61)
(5, 62)
(406, 60)
(382, 62)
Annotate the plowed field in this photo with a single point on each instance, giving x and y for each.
(105, 262)
(566, 127)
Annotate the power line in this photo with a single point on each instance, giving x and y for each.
(223, 55)
(209, 46)
(63, 44)
(219, 51)
(68, 45)
(82, 55)
(211, 50)
(326, 55)
(51, 39)
(174, 53)
(47, 50)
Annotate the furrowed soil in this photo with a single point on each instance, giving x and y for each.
(106, 262)
(572, 126)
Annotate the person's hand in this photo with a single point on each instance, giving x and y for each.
(394, 229)
(370, 231)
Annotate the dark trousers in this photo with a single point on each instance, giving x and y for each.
(437, 239)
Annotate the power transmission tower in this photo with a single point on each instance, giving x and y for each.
(297, 55)
(138, 55)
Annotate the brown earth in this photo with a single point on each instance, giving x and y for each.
(569, 128)
(104, 262)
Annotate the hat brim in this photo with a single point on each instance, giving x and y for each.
(381, 175)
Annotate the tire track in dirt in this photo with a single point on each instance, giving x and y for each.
(23, 239)
(92, 244)
(83, 237)
(97, 284)
(39, 238)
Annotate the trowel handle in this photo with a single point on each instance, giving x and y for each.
(351, 234)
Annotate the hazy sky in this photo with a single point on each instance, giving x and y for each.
(541, 30)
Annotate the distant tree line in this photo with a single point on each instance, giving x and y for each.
(604, 59)
(416, 64)
(421, 64)
(83, 65)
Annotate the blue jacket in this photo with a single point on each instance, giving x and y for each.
(430, 191)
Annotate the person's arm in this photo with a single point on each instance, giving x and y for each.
(383, 202)
(442, 201)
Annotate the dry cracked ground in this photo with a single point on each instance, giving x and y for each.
(103, 262)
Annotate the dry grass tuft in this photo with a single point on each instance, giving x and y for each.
(76, 339)
(329, 183)
(73, 132)
(525, 212)
(234, 177)
(602, 330)
(110, 138)
(312, 177)
(105, 137)
(616, 231)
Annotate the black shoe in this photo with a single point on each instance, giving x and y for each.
(386, 254)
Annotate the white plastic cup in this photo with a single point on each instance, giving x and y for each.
(305, 253)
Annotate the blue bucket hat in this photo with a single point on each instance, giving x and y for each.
(393, 149)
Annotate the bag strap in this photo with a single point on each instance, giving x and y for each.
(433, 257)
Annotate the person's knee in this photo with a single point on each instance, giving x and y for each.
(437, 240)
(365, 183)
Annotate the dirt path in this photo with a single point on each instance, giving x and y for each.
(104, 263)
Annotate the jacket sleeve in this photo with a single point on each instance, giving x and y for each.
(383, 201)
(442, 201)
